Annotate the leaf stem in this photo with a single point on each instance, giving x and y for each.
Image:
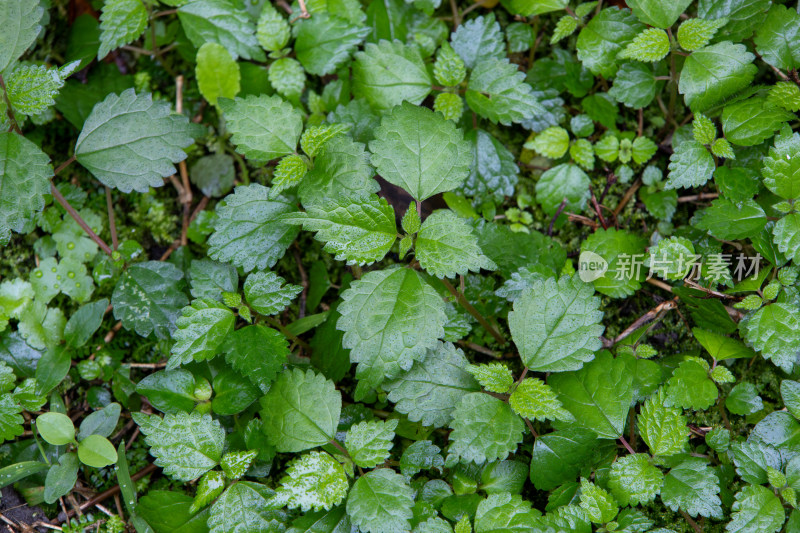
(9, 109)
(474, 312)
(625, 443)
(339, 447)
(82, 223)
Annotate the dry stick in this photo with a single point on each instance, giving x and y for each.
(530, 427)
(586, 221)
(186, 198)
(627, 198)
(62, 517)
(480, 349)
(474, 312)
(304, 14)
(698, 197)
(112, 223)
(82, 223)
(691, 522)
(653, 314)
(598, 210)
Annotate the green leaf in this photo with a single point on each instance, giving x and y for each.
(604, 37)
(61, 477)
(201, 331)
(494, 170)
(774, 330)
(778, 38)
(289, 172)
(635, 85)
(421, 151)
(534, 400)
(185, 445)
(619, 249)
(246, 507)
(421, 455)
(598, 395)
(248, 231)
(726, 220)
(446, 246)
(663, 428)
(23, 184)
(217, 73)
(690, 165)
(13, 473)
(130, 143)
(257, 352)
(694, 34)
(10, 418)
(634, 481)
(220, 21)
(484, 429)
(209, 487)
(121, 23)
(273, 30)
(97, 451)
(359, 229)
(692, 486)
(433, 387)
(101, 422)
(286, 75)
(715, 72)
(31, 88)
(388, 73)
(497, 91)
(744, 399)
(479, 39)
(84, 323)
(313, 481)
(21, 21)
(449, 69)
(752, 121)
(552, 142)
(597, 502)
(494, 377)
(556, 324)
(263, 127)
(236, 464)
(341, 168)
(651, 45)
(560, 456)
(690, 386)
(148, 298)
(369, 443)
(381, 501)
(790, 394)
(504, 512)
(324, 42)
(657, 13)
(756, 509)
(169, 391)
(721, 347)
(55, 428)
(781, 168)
(315, 137)
(267, 294)
(390, 318)
(411, 221)
(300, 411)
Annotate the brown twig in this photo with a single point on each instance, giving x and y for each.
(105, 494)
(112, 223)
(304, 14)
(627, 197)
(474, 6)
(691, 522)
(586, 221)
(654, 314)
(555, 217)
(474, 312)
(456, 17)
(480, 349)
(627, 446)
(698, 197)
(82, 223)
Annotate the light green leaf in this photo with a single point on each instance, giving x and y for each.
(528, 8)
(388, 73)
(97, 451)
(633, 480)
(535, 400)
(31, 88)
(692, 486)
(565, 27)
(597, 502)
(21, 27)
(504, 512)
(690, 386)
(479, 39)
(313, 481)
(121, 23)
(446, 246)
(449, 68)
(421, 455)
(619, 249)
(324, 42)
(552, 142)
(220, 21)
(369, 443)
(129, 142)
(300, 411)
(10, 418)
(778, 38)
(756, 509)
(721, 347)
(148, 298)
(246, 507)
(494, 170)
(248, 231)
(498, 91)
(263, 127)
(556, 324)
(604, 37)
(286, 75)
(289, 172)
(273, 30)
(217, 73)
(421, 151)
(787, 235)
(315, 137)
(494, 377)
(781, 168)
(201, 331)
(651, 45)
(381, 501)
(752, 121)
(658, 13)
(694, 34)
(726, 220)
(743, 399)
(484, 429)
(663, 428)
(55, 428)
(690, 165)
(390, 318)
(563, 182)
(714, 73)
(185, 445)
(267, 294)
(774, 330)
(359, 229)
(24, 182)
(433, 387)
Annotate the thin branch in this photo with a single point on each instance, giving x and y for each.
(63, 165)
(62, 517)
(555, 217)
(530, 427)
(627, 446)
(82, 223)
(164, 13)
(474, 6)
(698, 197)
(339, 447)
(304, 14)
(456, 17)
(627, 198)
(112, 223)
(480, 349)
(691, 522)
(474, 312)
(654, 314)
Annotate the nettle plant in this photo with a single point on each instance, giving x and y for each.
(427, 268)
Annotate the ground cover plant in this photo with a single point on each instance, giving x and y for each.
(387, 266)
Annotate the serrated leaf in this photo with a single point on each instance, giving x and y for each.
(663, 428)
(494, 170)
(657, 13)
(217, 73)
(651, 45)
(201, 331)
(121, 23)
(690, 165)
(430, 391)
(635, 85)
(209, 279)
(359, 229)
(324, 42)
(248, 231)
(267, 294)
(130, 142)
(690, 387)
(288, 78)
(504, 512)
(390, 318)
(313, 481)
(534, 400)
(484, 429)
(726, 220)
(565, 27)
(479, 39)
(185, 445)
(598, 395)
(263, 127)
(774, 330)
(494, 377)
(756, 509)
(692, 486)
(388, 73)
(781, 168)
(752, 121)
(381, 501)
(24, 182)
(421, 455)
(446, 246)
(256, 352)
(31, 88)
(695, 33)
(552, 142)
(563, 182)
(288, 173)
(449, 105)
(604, 37)
(556, 324)
(778, 38)
(147, 298)
(369, 443)
(273, 30)
(21, 21)
(341, 168)
(714, 73)
(10, 418)
(497, 91)
(449, 68)
(597, 502)
(300, 411)
(634, 481)
(246, 507)
(421, 151)
(315, 137)
(220, 21)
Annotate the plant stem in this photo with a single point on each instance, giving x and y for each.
(9, 109)
(555, 217)
(112, 223)
(339, 447)
(530, 427)
(82, 223)
(691, 522)
(474, 312)
(625, 443)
